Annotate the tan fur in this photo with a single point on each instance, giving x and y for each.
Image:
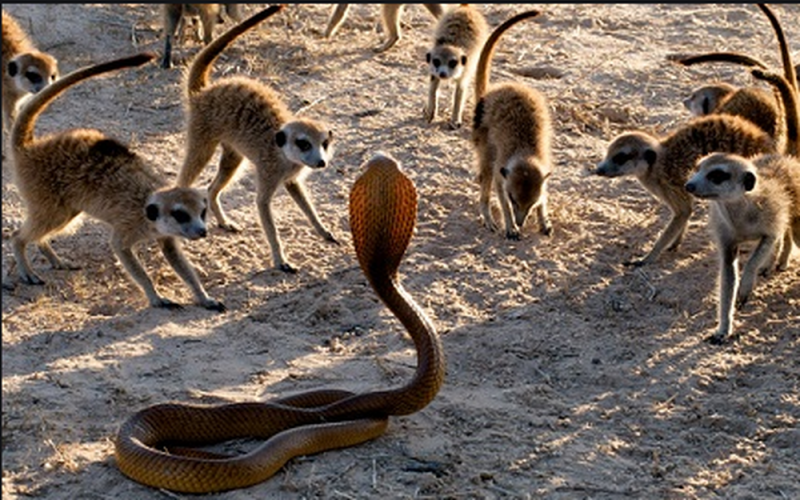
(663, 165)
(756, 199)
(512, 136)
(250, 121)
(457, 41)
(25, 69)
(175, 15)
(752, 103)
(390, 21)
(84, 171)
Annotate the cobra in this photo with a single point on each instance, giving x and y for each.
(383, 207)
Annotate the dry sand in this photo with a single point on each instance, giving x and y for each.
(568, 376)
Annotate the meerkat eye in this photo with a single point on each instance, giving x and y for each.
(437, 63)
(620, 158)
(303, 144)
(452, 64)
(181, 216)
(33, 77)
(203, 214)
(718, 176)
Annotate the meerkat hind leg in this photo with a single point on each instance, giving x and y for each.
(36, 228)
(671, 236)
(336, 20)
(390, 20)
(228, 164)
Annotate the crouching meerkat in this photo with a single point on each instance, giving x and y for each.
(84, 171)
(752, 199)
(512, 136)
(175, 15)
(390, 21)
(457, 42)
(250, 120)
(25, 69)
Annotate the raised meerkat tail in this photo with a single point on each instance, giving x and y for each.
(789, 98)
(22, 131)
(198, 75)
(485, 60)
(786, 57)
(728, 57)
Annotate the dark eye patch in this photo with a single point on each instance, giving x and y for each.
(622, 158)
(718, 176)
(181, 216)
(33, 77)
(303, 145)
(453, 64)
(437, 63)
(203, 214)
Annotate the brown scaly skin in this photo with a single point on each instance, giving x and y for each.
(383, 205)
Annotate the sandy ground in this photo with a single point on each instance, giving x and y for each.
(569, 375)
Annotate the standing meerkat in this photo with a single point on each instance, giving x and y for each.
(250, 120)
(25, 69)
(751, 199)
(512, 136)
(390, 21)
(175, 15)
(457, 42)
(79, 171)
(663, 165)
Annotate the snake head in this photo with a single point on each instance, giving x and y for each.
(383, 212)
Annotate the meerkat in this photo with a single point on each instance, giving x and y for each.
(457, 41)
(663, 165)
(25, 69)
(250, 121)
(175, 15)
(751, 103)
(755, 198)
(512, 136)
(84, 171)
(390, 21)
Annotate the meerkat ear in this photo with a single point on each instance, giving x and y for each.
(152, 211)
(13, 69)
(428, 57)
(330, 135)
(463, 60)
(749, 181)
(650, 156)
(504, 172)
(280, 138)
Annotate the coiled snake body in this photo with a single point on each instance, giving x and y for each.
(383, 204)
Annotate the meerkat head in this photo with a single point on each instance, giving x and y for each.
(32, 71)
(706, 99)
(306, 142)
(446, 61)
(178, 212)
(524, 183)
(629, 153)
(722, 176)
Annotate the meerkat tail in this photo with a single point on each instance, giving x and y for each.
(786, 57)
(789, 98)
(200, 69)
(22, 131)
(485, 60)
(727, 57)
